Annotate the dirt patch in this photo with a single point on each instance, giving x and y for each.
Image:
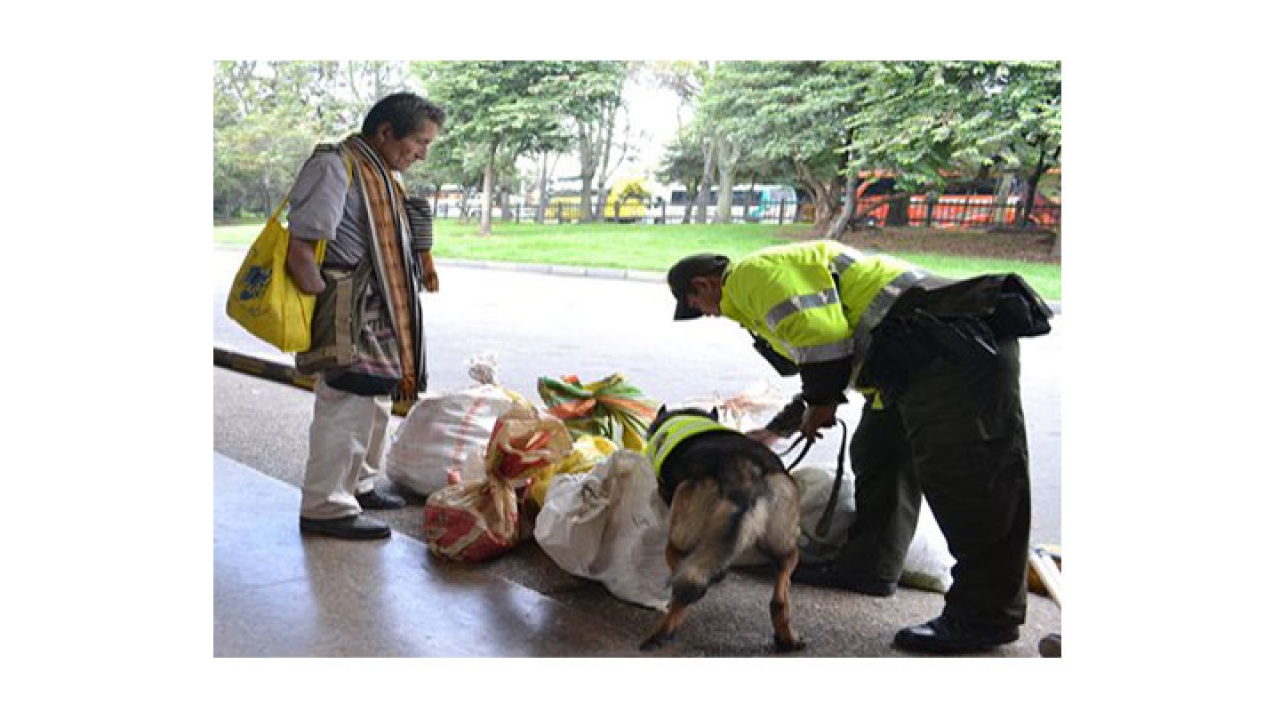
(1006, 244)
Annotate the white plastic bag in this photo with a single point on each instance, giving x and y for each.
(610, 525)
(440, 432)
(748, 410)
(928, 562)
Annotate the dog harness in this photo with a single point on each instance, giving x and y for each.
(674, 431)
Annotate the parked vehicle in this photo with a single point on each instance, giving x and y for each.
(768, 202)
(961, 203)
(626, 202)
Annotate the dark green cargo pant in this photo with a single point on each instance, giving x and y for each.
(955, 433)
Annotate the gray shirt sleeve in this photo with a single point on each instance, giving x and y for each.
(318, 197)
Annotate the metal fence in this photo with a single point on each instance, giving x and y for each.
(974, 212)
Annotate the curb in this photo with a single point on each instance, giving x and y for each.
(566, 270)
(576, 271)
(601, 273)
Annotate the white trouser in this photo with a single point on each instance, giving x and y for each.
(347, 436)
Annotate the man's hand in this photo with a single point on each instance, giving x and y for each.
(817, 417)
(429, 276)
(301, 264)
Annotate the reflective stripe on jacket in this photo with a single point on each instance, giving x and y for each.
(788, 295)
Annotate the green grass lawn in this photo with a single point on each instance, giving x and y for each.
(656, 247)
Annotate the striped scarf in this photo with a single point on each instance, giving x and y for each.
(392, 255)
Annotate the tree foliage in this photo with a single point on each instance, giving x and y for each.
(814, 124)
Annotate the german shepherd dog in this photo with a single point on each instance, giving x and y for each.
(731, 493)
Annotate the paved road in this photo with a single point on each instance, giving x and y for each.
(538, 324)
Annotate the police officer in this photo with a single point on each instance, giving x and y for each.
(937, 362)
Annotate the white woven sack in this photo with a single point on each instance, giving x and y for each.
(610, 525)
(440, 433)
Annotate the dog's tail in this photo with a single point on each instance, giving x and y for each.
(735, 522)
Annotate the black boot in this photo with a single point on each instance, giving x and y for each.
(949, 636)
(833, 576)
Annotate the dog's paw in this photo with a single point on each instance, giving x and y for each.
(655, 641)
(782, 646)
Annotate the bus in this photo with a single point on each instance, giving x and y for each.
(627, 201)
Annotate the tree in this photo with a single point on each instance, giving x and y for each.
(682, 162)
(924, 121)
(792, 114)
(588, 94)
(269, 115)
(495, 106)
(689, 80)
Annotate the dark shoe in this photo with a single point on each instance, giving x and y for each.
(1051, 645)
(352, 527)
(375, 500)
(831, 576)
(948, 636)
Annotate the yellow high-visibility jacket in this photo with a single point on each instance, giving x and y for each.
(809, 300)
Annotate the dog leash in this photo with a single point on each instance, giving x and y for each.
(824, 523)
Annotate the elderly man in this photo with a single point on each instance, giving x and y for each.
(377, 250)
(938, 363)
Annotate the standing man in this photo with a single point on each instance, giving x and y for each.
(378, 250)
(938, 363)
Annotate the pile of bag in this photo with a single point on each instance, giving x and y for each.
(493, 467)
(611, 408)
(486, 458)
(477, 518)
(440, 434)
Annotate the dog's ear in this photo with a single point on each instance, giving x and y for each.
(661, 411)
(715, 414)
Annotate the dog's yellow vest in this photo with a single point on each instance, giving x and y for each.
(674, 431)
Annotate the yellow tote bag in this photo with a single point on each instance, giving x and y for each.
(264, 299)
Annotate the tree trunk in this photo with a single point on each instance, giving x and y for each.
(826, 196)
(601, 195)
(850, 206)
(541, 214)
(727, 163)
(486, 201)
(1029, 198)
(587, 156)
(690, 187)
(704, 189)
(1002, 200)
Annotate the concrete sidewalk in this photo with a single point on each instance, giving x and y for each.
(278, 593)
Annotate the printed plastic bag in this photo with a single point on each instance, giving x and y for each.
(611, 408)
(440, 433)
(610, 525)
(264, 299)
(478, 519)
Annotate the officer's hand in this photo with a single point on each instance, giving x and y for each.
(817, 417)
